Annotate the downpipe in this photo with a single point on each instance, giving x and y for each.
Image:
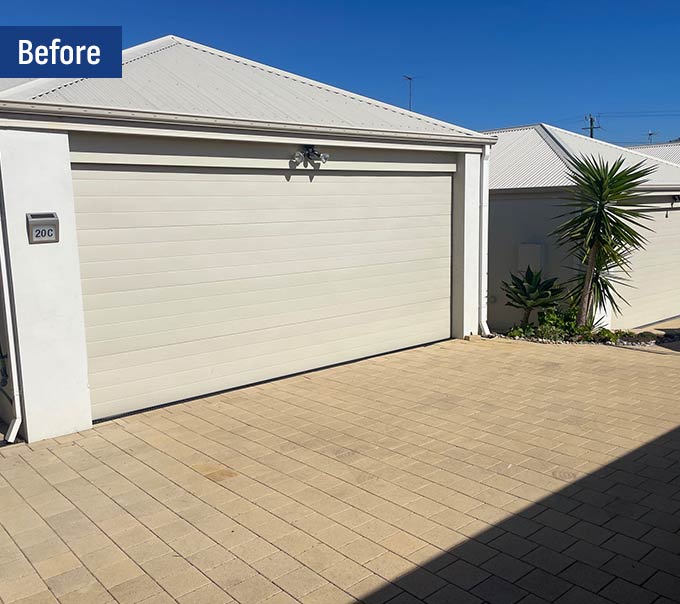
(11, 358)
(484, 241)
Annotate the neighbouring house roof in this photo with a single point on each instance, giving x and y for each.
(177, 76)
(667, 151)
(537, 156)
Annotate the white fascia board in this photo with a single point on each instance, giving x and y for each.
(25, 110)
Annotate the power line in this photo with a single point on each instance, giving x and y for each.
(635, 114)
(591, 127)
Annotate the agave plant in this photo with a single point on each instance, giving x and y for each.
(529, 292)
(603, 226)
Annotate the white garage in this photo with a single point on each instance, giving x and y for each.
(223, 223)
(528, 189)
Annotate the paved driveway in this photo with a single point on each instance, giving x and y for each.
(494, 471)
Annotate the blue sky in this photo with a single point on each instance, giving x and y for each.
(478, 64)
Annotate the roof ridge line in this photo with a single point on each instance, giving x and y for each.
(303, 80)
(558, 148)
(32, 82)
(127, 62)
(511, 128)
(648, 145)
(619, 147)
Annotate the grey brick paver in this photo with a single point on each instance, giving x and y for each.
(495, 471)
(623, 592)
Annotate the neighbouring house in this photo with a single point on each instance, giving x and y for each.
(666, 151)
(220, 223)
(528, 186)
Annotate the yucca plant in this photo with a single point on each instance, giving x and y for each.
(529, 292)
(606, 279)
(603, 227)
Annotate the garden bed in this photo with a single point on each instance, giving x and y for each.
(601, 337)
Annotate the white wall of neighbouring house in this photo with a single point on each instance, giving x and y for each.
(47, 299)
(519, 232)
(654, 294)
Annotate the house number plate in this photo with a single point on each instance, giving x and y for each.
(42, 228)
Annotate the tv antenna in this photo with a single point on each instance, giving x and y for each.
(409, 79)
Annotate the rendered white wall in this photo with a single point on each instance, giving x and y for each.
(466, 267)
(36, 177)
(515, 220)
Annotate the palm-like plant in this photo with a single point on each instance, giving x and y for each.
(607, 276)
(530, 292)
(603, 226)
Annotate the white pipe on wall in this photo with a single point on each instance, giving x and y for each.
(12, 359)
(484, 241)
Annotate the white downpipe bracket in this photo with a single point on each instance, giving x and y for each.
(484, 241)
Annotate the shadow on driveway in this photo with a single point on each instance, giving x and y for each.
(612, 536)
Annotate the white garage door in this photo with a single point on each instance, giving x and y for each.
(197, 281)
(655, 276)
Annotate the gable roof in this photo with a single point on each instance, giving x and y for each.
(177, 76)
(537, 156)
(666, 151)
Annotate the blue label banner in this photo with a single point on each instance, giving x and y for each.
(61, 52)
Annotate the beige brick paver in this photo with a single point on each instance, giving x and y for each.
(458, 471)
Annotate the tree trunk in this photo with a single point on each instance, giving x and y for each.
(527, 315)
(587, 293)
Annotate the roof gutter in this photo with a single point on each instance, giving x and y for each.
(57, 112)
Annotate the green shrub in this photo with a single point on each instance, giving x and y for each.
(553, 333)
(607, 336)
(559, 324)
(519, 331)
(528, 291)
(560, 319)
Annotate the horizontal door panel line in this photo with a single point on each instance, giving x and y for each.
(108, 226)
(168, 250)
(433, 242)
(328, 270)
(269, 311)
(436, 328)
(190, 333)
(446, 170)
(240, 299)
(111, 375)
(133, 267)
(272, 336)
(439, 222)
(268, 283)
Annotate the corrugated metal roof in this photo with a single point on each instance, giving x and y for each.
(667, 151)
(7, 83)
(174, 75)
(536, 156)
(524, 158)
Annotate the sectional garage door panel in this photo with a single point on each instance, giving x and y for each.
(197, 281)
